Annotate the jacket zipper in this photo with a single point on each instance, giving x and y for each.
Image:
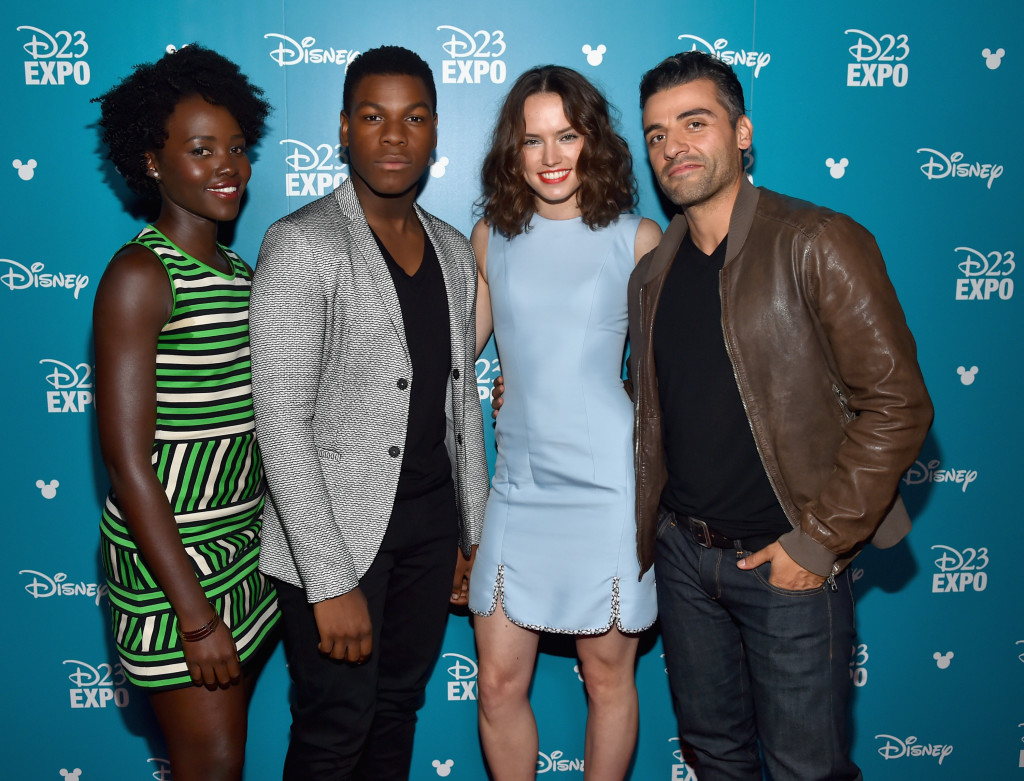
(844, 404)
(732, 362)
(637, 390)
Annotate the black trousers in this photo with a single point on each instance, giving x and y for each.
(357, 721)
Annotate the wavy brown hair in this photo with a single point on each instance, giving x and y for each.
(604, 168)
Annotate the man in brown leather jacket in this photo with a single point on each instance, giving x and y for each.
(778, 402)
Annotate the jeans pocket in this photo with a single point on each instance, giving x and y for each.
(763, 575)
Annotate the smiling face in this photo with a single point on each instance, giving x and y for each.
(693, 148)
(202, 169)
(551, 151)
(390, 134)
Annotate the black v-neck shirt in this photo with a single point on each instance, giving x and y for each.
(714, 470)
(424, 303)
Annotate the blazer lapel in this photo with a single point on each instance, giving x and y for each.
(363, 247)
(453, 288)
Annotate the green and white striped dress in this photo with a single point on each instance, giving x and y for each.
(206, 456)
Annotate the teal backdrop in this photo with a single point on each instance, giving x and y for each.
(903, 115)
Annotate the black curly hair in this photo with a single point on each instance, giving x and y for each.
(134, 112)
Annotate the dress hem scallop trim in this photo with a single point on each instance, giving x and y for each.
(614, 620)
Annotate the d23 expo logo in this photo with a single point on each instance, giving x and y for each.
(960, 570)
(57, 59)
(985, 275)
(315, 170)
(473, 58)
(97, 687)
(462, 670)
(72, 386)
(878, 60)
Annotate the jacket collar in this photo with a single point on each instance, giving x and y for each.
(742, 218)
(739, 227)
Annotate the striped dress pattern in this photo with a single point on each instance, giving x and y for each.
(206, 457)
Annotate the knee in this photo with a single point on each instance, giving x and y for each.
(213, 759)
(226, 762)
(498, 688)
(607, 681)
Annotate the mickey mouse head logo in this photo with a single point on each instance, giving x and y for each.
(71, 775)
(967, 375)
(26, 170)
(993, 59)
(942, 660)
(49, 490)
(437, 168)
(837, 169)
(443, 769)
(595, 55)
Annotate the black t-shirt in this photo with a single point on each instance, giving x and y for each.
(714, 470)
(424, 302)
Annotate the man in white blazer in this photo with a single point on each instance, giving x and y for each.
(367, 414)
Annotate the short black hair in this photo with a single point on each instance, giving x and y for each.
(690, 66)
(387, 61)
(135, 111)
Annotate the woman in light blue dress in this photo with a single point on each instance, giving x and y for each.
(555, 249)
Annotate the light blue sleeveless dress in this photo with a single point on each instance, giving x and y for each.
(559, 538)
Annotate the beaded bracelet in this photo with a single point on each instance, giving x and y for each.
(202, 632)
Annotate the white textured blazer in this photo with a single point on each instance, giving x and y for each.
(328, 352)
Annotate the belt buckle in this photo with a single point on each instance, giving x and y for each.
(700, 531)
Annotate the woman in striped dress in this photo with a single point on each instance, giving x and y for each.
(180, 528)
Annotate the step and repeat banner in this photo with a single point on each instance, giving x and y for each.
(903, 116)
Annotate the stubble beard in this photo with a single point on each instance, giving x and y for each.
(714, 178)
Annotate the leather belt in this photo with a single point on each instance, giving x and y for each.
(707, 537)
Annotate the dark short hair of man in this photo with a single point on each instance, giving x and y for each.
(388, 61)
(689, 66)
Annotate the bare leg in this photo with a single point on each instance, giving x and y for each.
(507, 654)
(205, 731)
(607, 663)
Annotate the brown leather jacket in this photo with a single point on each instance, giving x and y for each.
(826, 368)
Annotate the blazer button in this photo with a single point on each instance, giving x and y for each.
(393, 451)
(402, 383)
(455, 374)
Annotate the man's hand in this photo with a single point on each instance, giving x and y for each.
(497, 390)
(460, 585)
(344, 626)
(786, 573)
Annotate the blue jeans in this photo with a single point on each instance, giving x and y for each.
(755, 670)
